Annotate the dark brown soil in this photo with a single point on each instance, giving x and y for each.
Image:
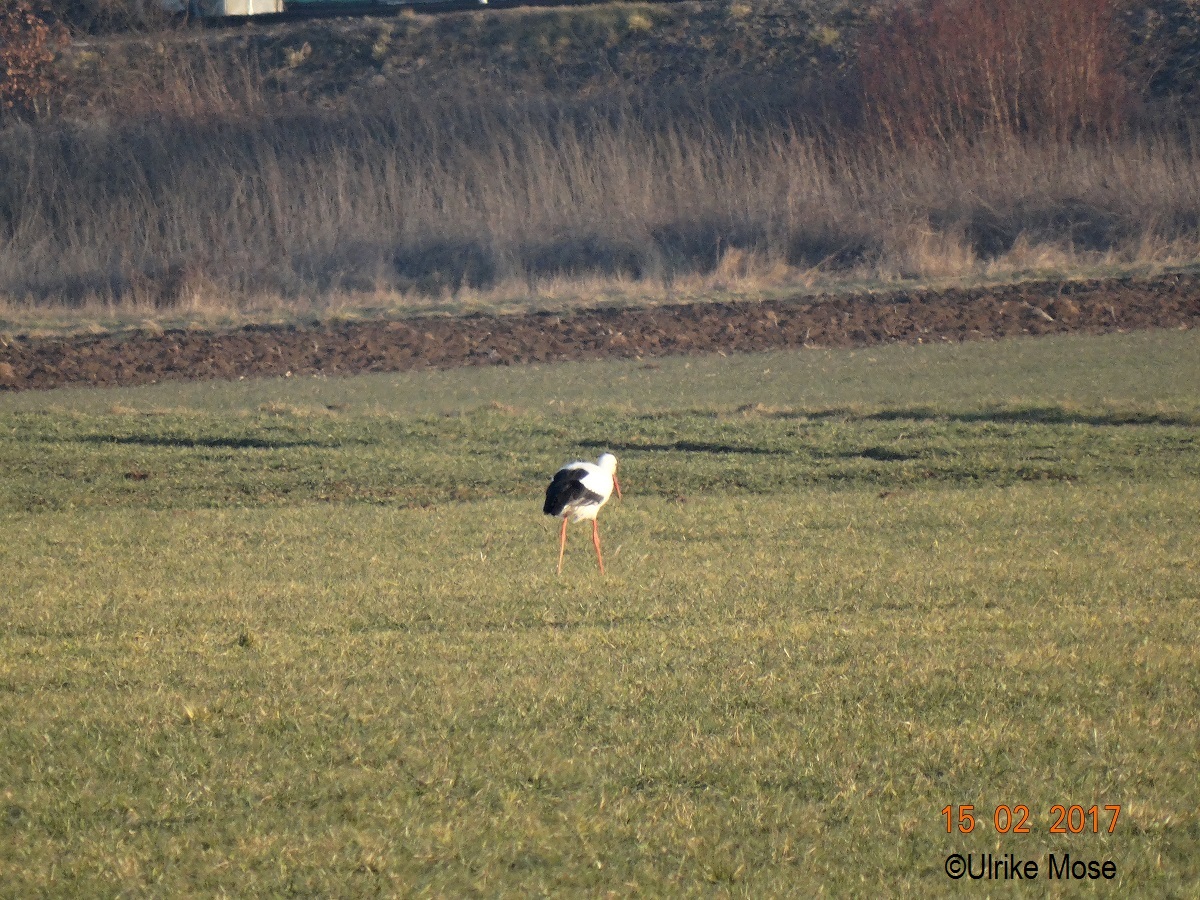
(346, 348)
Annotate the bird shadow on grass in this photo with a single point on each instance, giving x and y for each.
(1034, 415)
(224, 443)
(878, 454)
(690, 447)
(881, 454)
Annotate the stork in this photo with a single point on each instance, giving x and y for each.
(577, 492)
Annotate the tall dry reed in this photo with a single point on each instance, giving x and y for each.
(429, 198)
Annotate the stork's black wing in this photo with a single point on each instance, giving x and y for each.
(567, 490)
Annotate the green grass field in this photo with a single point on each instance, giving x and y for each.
(304, 637)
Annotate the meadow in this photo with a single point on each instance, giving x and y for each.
(305, 636)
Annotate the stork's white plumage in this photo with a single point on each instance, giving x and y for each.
(577, 492)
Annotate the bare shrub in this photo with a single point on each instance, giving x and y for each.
(28, 42)
(950, 70)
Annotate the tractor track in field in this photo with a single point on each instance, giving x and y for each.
(335, 348)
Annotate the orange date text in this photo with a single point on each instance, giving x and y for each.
(1063, 819)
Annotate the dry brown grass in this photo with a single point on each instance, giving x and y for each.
(214, 183)
(420, 204)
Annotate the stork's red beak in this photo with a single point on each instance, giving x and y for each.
(617, 485)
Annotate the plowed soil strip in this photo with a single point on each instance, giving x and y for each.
(346, 348)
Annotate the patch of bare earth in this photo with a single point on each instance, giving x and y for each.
(347, 348)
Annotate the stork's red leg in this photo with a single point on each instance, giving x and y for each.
(562, 544)
(596, 541)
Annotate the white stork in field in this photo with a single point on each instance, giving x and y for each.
(577, 492)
